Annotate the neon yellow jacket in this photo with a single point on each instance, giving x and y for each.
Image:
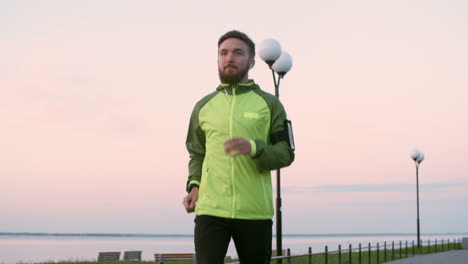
(236, 187)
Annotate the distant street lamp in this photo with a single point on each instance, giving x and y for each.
(280, 63)
(418, 157)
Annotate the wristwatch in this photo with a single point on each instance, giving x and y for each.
(189, 188)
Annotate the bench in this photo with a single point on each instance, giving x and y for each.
(108, 256)
(132, 255)
(173, 256)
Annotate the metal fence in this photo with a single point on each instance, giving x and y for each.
(377, 253)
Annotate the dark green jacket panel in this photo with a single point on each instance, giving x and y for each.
(279, 155)
(195, 142)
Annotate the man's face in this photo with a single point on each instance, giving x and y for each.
(234, 61)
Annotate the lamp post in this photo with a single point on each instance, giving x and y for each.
(418, 157)
(280, 63)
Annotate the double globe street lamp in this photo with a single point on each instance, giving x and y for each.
(280, 63)
(417, 157)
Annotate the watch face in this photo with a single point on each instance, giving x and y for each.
(191, 186)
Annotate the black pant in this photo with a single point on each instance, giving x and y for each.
(252, 239)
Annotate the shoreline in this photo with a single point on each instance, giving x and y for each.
(37, 249)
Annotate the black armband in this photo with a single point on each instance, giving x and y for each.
(284, 135)
(189, 188)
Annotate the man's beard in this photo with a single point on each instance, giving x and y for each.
(233, 78)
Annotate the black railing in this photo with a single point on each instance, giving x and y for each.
(375, 254)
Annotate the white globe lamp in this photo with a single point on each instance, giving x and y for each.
(420, 158)
(415, 154)
(283, 64)
(269, 51)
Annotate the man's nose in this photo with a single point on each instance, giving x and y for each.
(230, 57)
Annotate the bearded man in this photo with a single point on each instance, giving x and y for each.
(236, 135)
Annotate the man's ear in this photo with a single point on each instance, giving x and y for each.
(252, 63)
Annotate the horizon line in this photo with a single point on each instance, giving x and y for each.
(94, 234)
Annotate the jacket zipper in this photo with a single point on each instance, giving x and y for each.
(233, 101)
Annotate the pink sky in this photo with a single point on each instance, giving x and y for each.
(95, 100)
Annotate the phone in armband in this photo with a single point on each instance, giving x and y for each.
(290, 134)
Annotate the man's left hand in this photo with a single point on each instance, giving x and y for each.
(237, 146)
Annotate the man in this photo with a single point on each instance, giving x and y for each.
(236, 135)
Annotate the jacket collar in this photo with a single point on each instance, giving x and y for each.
(240, 87)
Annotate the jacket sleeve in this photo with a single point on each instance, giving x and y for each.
(278, 153)
(195, 144)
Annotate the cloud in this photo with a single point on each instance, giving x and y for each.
(353, 188)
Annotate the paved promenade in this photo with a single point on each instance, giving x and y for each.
(448, 257)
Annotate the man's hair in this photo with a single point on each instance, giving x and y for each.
(239, 35)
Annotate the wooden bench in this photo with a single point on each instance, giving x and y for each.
(173, 256)
(108, 256)
(132, 255)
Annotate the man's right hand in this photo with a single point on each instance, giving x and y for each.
(190, 200)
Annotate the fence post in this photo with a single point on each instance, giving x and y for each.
(289, 256)
(400, 250)
(377, 252)
(350, 254)
(339, 254)
(429, 246)
(326, 254)
(448, 244)
(310, 255)
(360, 255)
(369, 253)
(421, 247)
(412, 244)
(406, 248)
(385, 251)
(436, 245)
(393, 250)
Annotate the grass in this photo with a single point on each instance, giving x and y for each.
(321, 258)
(365, 258)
